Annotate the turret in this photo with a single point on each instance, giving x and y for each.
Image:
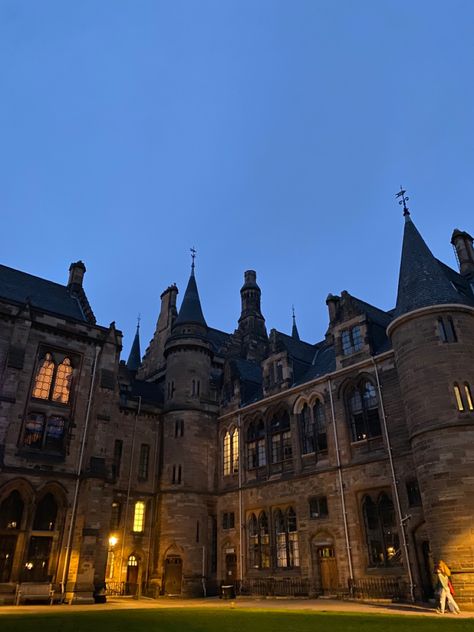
(433, 336)
(251, 329)
(187, 503)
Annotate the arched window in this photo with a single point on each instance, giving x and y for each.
(44, 378)
(259, 541)
(11, 511)
(264, 540)
(467, 392)
(320, 436)
(132, 560)
(286, 536)
(363, 410)
(62, 383)
(281, 450)
(381, 531)
(253, 542)
(231, 452)
(256, 454)
(46, 514)
(306, 430)
(227, 453)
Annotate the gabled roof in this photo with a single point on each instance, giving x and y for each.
(217, 338)
(423, 280)
(296, 348)
(190, 310)
(20, 287)
(324, 361)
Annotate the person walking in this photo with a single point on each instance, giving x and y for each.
(445, 586)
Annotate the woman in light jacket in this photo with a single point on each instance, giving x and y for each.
(444, 574)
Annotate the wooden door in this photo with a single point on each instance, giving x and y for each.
(327, 569)
(173, 575)
(230, 568)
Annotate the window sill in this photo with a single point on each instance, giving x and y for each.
(50, 402)
(40, 455)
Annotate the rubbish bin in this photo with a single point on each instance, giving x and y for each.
(227, 592)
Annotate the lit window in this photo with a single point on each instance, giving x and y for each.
(458, 396)
(139, 517)
(467, 390)
(287, 548)
(62, 383)
(44, 378)
(227, 453)
(235, 451)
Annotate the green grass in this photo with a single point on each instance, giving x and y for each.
(219, 620)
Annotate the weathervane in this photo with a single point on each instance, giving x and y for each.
(193, 256)
(403, 201)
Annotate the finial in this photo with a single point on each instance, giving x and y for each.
(403, 201)
(139, 317)
(193, 256)
(293, 313)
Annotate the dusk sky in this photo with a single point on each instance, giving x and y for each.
(271, 135)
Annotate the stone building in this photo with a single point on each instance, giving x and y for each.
(246, 458)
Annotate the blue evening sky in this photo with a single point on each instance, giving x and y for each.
(269, 134)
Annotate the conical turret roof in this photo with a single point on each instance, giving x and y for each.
(422, 281)
(190, 310)
(134, 358)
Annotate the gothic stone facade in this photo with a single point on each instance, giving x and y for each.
(245, 458)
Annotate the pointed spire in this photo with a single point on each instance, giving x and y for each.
(294, 329)
(134, 359)
(422, 281)
(190, 310)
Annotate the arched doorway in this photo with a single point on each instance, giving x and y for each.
(133, 574)
(173, 575)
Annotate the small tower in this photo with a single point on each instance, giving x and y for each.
(186, 519)
(433, 336)
(251, 330)
(462, 243)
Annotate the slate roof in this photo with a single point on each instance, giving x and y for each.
(323, 362)
(217, 338)
(22, 288)
(135, 358)
(296, 348)
(148, 391)
(423, 280)
(190, 310)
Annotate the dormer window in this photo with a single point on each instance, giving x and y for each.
(351, 340)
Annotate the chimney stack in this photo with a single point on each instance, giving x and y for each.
(462, 243)
(76, 274)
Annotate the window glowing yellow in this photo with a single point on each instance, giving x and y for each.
(235, 451)
(457, 394)
(467, 390)
(62, 383)
(227, 454)
(44, 378)
(139, 517)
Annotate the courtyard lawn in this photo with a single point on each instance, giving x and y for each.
(219, 620)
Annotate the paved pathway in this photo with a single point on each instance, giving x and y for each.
(316, 605)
